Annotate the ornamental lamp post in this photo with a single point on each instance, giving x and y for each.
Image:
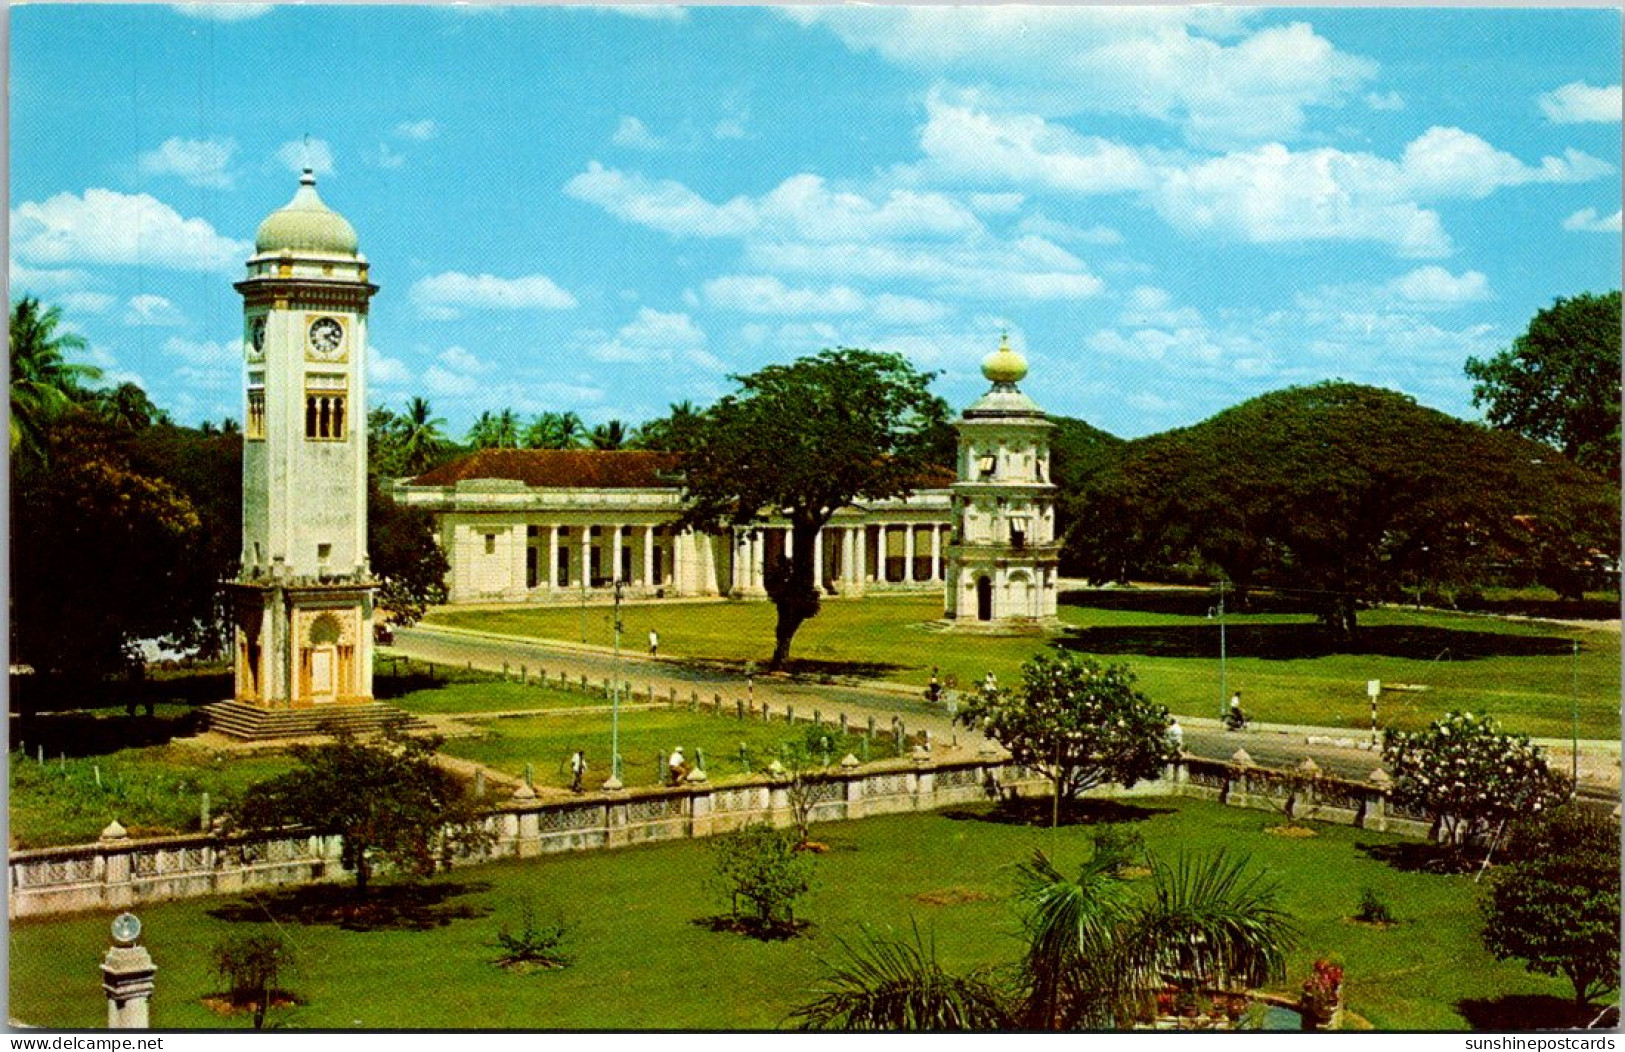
(614, 781)
(127, 972)
(1217, 612)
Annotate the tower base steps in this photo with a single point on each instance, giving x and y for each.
(238, 719)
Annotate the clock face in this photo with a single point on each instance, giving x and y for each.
(326, 338)
(256, 336)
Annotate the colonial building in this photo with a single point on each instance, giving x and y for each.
(537, 525)
(1002, 562)
(304, 596)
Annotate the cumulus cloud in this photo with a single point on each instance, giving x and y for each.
(85, 302)
(1580, 103)
(447, 295)
(148, 309)
(1425, 289)
(222, 12)
(634, 134)
(201, 162)
(298, 154)
(386, 372)
(802, 206)
(38, 281)
(769, 295)
(209, 364)
(1029, 268)
(108, 227)
(657, 336)
(417, 131)
(651, 12)
(1041, 225)
(1203, 70)
(962, 143)
(1436, 285)
(1590, 221)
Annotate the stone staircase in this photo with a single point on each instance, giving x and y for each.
(252, 723)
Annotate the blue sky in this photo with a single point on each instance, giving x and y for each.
(1170, 210)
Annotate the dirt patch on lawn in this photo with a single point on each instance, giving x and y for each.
(1291, 832)
(951, 896)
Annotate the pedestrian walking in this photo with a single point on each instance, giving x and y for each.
(1176, 735)
(578, 770)
(676, 766)
(654, 643)
(990, 682)
(933, 693)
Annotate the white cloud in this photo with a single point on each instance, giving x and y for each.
(1580, 103)
(1029, 268)
(1437, 286)
(417, 131)
(386, 372)
(634, 134)
(997, 204)
(1201, 69)
(769, 295)
(802, 206)
(1041, 225)
(656, 336)
(201, 162)
(85, 302)
(148, 309)
(1588, 219)
(652, 12)
(39, 281)
(462, 360)
(1025, 149)
(1385, 101)
(444, 296)
(384, 157)
(105, 226)
(298, 154)
(1273, 194)
(730, 127)
(208, 362)
(222, 12)
(442, 382)
(1148, 305)
(907, 310)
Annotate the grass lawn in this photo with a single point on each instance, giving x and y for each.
(647, 739)
(152, 791)
(643, 961)
(1520, 672)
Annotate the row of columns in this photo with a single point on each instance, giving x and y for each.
(750, 549)
(617, 537)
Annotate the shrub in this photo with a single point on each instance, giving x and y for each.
(760, 866)
(1119, 848)
(534, 945)
(1373, 910)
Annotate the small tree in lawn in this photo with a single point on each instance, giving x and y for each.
(388, 801)
(761, 867)
(1556, 905)
(1469, 775)
(251, 966)
(1078, 723)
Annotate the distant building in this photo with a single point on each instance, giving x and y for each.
(541, 525)
(1002, 563)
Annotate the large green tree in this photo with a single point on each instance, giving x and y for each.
(43, 381)
(1558, 383)
(1343, 492)
(410, 565)
(802, 441)
(1554, 902)
(1078, 723)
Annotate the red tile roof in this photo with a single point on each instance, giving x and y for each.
(563, 468)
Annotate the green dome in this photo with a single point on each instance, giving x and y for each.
(1004, 366)
(305, 224)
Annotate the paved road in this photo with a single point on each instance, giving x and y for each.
(1268, 746)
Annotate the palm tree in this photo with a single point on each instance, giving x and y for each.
(609, 435)
(483, 435)
(506, 429)
(43, 381)
(889, 984)
(128, 407)
(419, 436)
(665, 432)
(553, 431)
(1097, 952)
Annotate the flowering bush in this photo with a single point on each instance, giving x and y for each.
(1078, 723)
(1323, 990)
(1468, 774)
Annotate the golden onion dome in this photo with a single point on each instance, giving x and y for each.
(1004, 366)
(305, 224)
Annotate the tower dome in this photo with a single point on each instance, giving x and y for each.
(305, 224)
(1004, 366)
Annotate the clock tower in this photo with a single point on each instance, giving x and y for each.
(303, 600)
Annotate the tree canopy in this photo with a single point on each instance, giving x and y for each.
(43, 381)
(1555, 903)
(1344, 492)
(1078, 723)
(388, 801)
(804, 440)
(1559, 382)
(410, 566)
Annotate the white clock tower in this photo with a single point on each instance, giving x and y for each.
(1003, 555)
(304, 597)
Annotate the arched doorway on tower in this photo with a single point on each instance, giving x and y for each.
(984, 598)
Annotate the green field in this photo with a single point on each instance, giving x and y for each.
(643, 961)
(1519, 671)
(646, 741)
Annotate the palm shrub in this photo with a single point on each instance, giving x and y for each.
(889, 984)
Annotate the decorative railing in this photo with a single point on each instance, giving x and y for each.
(118, 873)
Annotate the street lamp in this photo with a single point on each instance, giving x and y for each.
(1218, 612)
(615, 700)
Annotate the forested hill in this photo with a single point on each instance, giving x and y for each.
(1077, 450)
